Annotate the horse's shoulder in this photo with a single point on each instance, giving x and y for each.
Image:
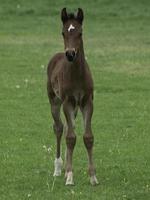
(54, 61)
(57, 57)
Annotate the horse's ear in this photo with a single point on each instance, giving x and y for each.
(80, 15)
(64, 16)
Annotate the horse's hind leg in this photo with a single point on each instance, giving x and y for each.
(58, 130)
(87, 111)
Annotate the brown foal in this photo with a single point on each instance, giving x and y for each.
(70, 84)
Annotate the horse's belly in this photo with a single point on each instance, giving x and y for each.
(78, 95)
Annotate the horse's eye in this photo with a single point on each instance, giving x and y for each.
(80, 34)
(63, 34)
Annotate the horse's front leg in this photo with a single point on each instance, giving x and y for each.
(58, 130)
(87, 111)
(69, 111)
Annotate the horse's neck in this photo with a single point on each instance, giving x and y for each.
(79, 63)
(80, 56)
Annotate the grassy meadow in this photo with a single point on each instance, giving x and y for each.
(117, 48)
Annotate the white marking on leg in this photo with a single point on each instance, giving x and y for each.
(69, 178)
(71, 27)
(58, 165)
(93, 180)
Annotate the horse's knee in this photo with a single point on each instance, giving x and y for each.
(71, 141)
(58, 129)
(88, 141)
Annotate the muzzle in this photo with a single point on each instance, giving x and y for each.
(70, 54)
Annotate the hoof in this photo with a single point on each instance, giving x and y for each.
(58, 165)
(93, 180)
(69, 178)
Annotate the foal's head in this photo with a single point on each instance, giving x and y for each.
(72, 32)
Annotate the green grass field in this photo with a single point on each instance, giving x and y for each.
(117, 47)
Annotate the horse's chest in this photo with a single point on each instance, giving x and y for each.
(63, 89)
(69, 85)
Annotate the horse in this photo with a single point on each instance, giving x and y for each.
(70, 85)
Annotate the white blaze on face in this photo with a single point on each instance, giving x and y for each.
(71, 27)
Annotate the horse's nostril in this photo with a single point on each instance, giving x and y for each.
(67, 53)
(73, 53)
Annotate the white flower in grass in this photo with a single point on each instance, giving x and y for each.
(42, 66)
(124, 196)
(49, 149)
(18, 86)
(26, 80)
(29, 195)
(72, 192)
(18, 6)
(44, 147)
(110, 151)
